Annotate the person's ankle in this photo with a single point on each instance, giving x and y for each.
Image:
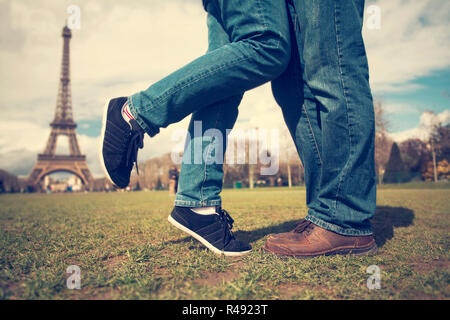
(204, 210)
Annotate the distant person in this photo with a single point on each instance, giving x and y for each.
(313, 53)
(279, 182)
(173, 180)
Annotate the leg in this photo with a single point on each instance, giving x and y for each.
(336, 90)
(258, 52)
(201, 179)
(336, 74)
(201, 183)
(301, 117)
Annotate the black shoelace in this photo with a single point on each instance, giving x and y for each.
(227, 223)
(136, 143)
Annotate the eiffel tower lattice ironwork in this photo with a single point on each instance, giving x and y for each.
(62, 125)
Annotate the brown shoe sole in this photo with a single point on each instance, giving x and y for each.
(363, 251)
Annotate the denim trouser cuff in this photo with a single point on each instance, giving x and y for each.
(197, 204)
(337, 229)
(150, 129)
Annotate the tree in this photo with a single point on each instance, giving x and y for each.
(415, 155)
(442, 142)
(395, 168)
(438, 141)
(439, 146)
(381, 122)
(442, 171)
(382, 141)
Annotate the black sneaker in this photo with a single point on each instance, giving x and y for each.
(213, 231)
(119, 143)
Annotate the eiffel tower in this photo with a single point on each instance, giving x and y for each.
(62, 125)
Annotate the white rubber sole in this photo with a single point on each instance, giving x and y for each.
(205, 242)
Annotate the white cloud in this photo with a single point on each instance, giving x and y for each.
(17, 135)
(429, 119)
(422, 131)
(399, 108)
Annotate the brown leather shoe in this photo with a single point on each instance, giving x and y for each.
(309, 240)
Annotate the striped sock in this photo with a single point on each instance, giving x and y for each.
(126, 114)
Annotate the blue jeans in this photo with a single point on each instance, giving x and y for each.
(313, 52)
(327, 105)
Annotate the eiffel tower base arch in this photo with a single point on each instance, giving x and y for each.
(50, 164)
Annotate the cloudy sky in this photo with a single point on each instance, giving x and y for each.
(124, 46)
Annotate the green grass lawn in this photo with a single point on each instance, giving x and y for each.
(126, 249)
